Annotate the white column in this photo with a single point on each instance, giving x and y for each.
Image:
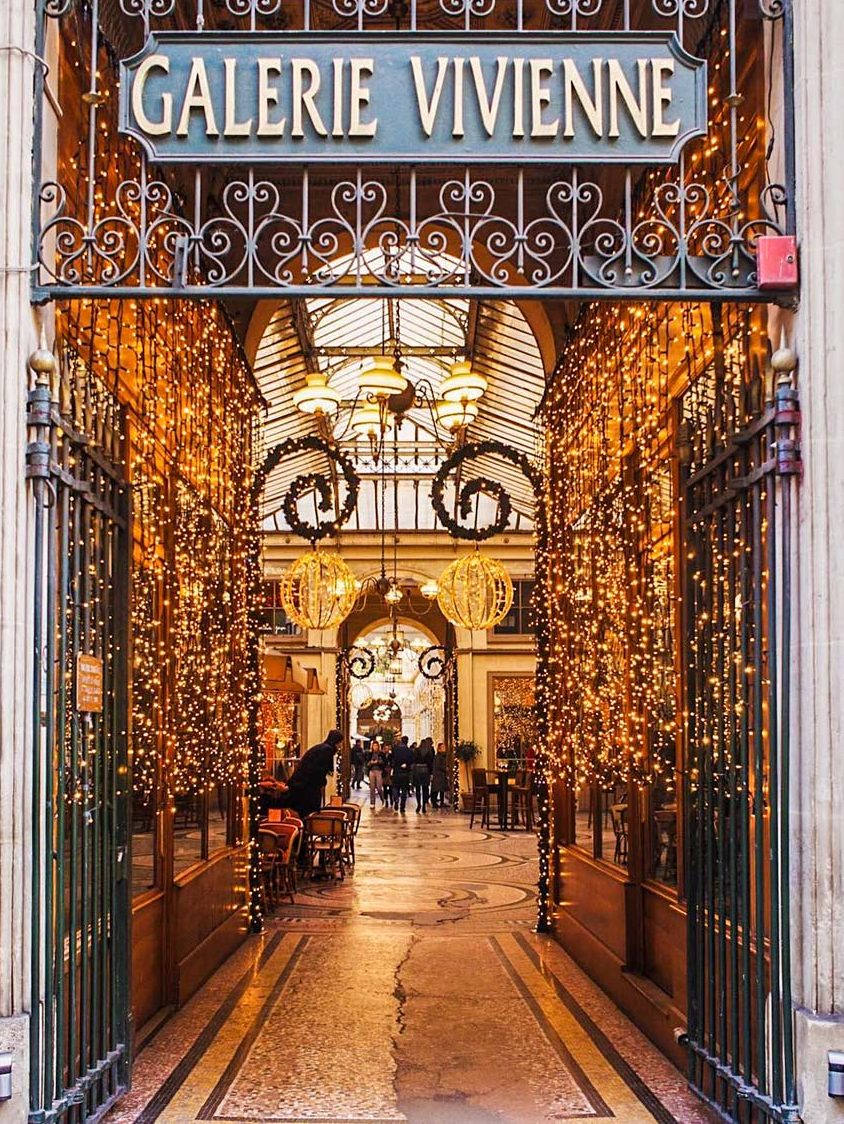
(17, 340)
(818, 729)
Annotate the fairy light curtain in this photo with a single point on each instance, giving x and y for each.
(613, 432)
(190, 410)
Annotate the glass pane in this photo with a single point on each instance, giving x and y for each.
(187, 831)
(584, 803)
(143, 841)
(514, 721)
(615, 836)
(219, 832)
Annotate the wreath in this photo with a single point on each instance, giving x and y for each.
(470, 490)
(309, 482)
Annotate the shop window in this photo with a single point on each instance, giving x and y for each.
(514, 720)
(273, 621)
(519, 621)
(189, 822)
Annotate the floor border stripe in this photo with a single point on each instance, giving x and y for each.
(599, 1105)
(215, 1098)
(178, 1075)
(620, 1064)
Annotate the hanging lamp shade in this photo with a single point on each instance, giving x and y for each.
(368, 421)
(463, 384)
(475, 592)
(318, 590)
(455, 415)
(381, 379)
(316, 396)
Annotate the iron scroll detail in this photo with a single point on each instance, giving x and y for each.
(480, 485)
(312, 481)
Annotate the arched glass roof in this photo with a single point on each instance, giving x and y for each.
(338, 336)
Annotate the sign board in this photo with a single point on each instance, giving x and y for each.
(89, 684)
(549, 97)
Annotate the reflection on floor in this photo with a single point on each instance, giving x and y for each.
(414, 991)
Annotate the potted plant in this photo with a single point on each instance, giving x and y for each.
(467, 752)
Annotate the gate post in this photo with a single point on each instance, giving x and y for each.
(17, 339)
(817, 723)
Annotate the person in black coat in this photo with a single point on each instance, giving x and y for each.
(402, 767)
(304, 789)
(423, 766)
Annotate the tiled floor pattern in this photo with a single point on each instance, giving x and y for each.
(415, 991)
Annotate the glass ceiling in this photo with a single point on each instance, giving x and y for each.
(339, 335)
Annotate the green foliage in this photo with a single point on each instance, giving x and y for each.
(467, 752)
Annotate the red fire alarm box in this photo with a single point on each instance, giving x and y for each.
(776, 261)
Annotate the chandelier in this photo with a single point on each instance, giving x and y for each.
(318, 590)
(384, 395)
(475, 591)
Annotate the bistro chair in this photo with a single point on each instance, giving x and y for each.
(481, 797)
(353, 812)
(325, 840)
(269, 849)
(619, 826)
(521, 795)
(289, 838)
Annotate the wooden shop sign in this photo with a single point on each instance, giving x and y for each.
(89, 684)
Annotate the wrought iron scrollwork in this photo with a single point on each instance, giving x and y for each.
(360, 662)
(570, 239)
(435, 661)
(312, 482)
(494, 489)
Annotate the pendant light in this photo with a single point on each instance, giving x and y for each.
(475, 591)
(318, 591)
(316, 397)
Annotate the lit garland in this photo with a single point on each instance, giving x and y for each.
(610, 683)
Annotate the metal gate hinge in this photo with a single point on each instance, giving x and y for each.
(38, 460)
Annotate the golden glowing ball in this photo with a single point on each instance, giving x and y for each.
(318, 590)
(475, 591)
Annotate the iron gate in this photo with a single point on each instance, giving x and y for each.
(742, 458)
(79, 1029)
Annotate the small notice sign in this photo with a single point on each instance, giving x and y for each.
(89, 684)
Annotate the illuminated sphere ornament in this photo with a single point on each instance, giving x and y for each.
(475, 592)
(318, 590)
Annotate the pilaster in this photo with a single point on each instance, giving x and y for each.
(17, 340)
(818, 715)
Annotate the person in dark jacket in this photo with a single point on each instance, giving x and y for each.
(439, 778)
(402, 769)
(304, 789)
(423, 767)
(358, 762)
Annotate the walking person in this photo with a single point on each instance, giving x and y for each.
(358, 762)
(439, 777)
(423, 767)
(375, 764)
(402, 769)
(388, 796)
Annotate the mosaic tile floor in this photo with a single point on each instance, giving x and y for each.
(415, 991)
